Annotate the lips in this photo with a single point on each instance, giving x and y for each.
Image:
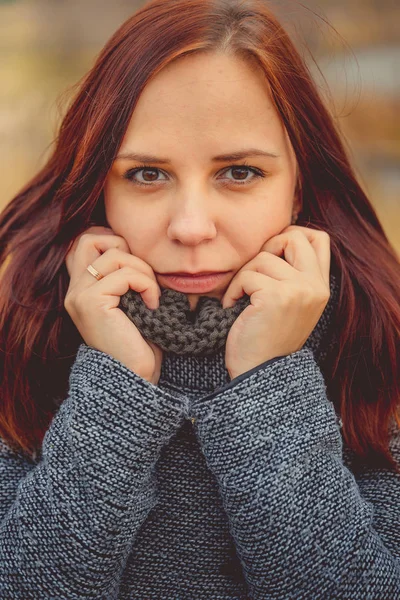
(192, 284)
(199, 274)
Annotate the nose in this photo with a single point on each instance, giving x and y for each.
(192, 219)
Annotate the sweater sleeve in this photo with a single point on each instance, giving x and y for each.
(301, 526)
(67, 523)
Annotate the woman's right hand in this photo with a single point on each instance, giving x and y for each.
(93, 304)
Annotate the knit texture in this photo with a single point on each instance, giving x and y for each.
(255, 499)
(175, 328)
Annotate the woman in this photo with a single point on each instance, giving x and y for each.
(232, 436)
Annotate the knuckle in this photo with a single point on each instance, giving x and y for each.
(325, 294)
(297, 234)
(113, 253)
(84, 239)
(126, 270)
(124, 247)
(69, 301)
(264, 256)
(325, 235)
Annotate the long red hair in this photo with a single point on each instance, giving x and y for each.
(38, 339)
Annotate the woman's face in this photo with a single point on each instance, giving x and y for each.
(194, 212)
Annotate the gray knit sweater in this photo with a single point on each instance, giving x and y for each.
(198, 488)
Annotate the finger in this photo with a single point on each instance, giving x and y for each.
(251, 283)
(120, 281)
(321, 243)
(92, 230)
(88, 248)
(296, 249)
(273, 266)
(114, 259)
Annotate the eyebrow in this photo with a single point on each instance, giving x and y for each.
(148, 158)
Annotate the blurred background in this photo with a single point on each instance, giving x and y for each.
(351, 46)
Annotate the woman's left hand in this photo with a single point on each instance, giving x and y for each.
(288, 296)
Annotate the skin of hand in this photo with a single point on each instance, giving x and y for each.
(288, 296)
(93, 305)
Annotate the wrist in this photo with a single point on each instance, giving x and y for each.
(233, 374)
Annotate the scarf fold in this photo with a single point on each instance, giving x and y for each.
(204, 331)
(175, 328)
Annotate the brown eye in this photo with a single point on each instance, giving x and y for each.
(149, 175)
(242, 171)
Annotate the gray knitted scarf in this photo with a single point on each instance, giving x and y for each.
(175, 328)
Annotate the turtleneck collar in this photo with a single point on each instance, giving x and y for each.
(187, 373)
(203, 374)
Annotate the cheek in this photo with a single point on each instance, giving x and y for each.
(119, 214)
(260, 225)
(140, 232)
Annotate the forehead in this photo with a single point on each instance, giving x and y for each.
(206, 103)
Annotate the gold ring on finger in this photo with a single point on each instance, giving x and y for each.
(94, 272)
